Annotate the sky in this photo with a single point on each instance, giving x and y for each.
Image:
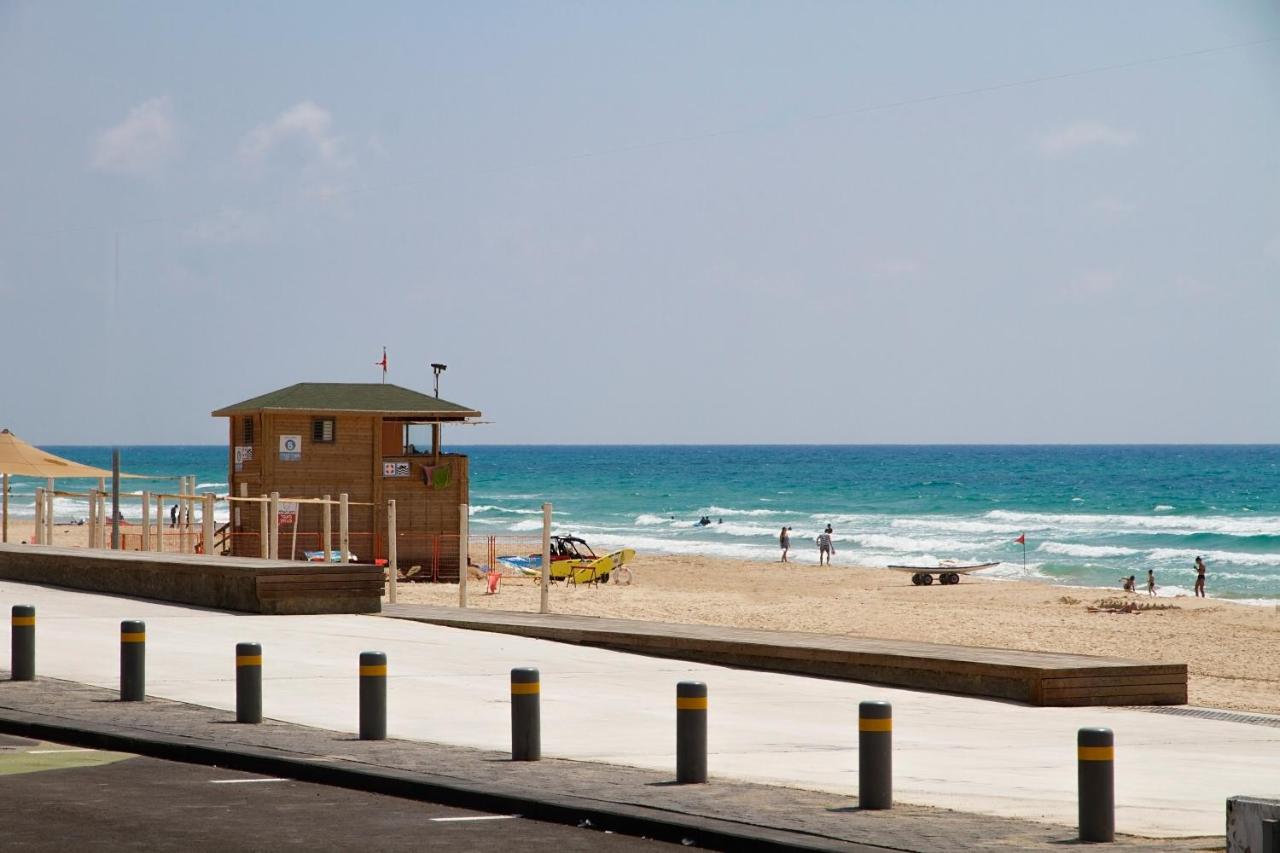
(788, 222)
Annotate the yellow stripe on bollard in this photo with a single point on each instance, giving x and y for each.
(1096, 753)
(138, 637)
(525, 688)
(691, 703)
(873, 725)
(23, 621)
(377, 669)
(248, 660)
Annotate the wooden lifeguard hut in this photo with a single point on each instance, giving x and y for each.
(372, 442)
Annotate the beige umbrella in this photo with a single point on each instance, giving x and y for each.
(21, 459)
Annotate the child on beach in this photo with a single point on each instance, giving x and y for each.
(825, 548)
(784, 540)
(1151, 582)
(1130, 584)
(1200, 570)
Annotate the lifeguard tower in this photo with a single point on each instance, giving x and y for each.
(372, 442)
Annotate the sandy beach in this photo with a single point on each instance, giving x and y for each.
(1232, 650)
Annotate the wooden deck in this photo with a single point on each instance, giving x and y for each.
(278, 587)
(1037, 678)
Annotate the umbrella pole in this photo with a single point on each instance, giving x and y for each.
(115, 499)
(4, 526)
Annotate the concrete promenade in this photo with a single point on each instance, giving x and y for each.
(451, 687)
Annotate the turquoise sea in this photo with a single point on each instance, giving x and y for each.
(1090, 513)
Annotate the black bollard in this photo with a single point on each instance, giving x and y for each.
(373, 696)
(248, 683)
(1095, 754)
(22, 643)
(875, 755)
(133, 660)
(1270, 836)
(526, 715)
(691, 732)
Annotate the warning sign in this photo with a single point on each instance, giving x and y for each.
(395, 469)
(287, 514)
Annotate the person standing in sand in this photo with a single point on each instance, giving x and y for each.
(1151, 582)
(1200, 570)
(784, 541)
(825, 548)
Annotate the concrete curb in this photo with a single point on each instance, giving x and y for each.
(640, 821)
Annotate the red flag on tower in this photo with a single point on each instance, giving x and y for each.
(1021, 540)
(383, 363)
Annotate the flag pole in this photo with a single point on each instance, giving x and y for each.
(1024, 552)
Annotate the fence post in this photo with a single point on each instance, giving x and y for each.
(206, 523)
(344, 528)
(526, 715)
(875, 755)
(393, 564)
(544, 605)
(159, 522)
(37, 535)
(48, 516)
(248, 683)
(273, 523)
(1095, 776)
(328, 530)
(691, 732)
(22, 643)
(133, 660)
(464, 527)
(264, 536)
(373, 696)
(146, 521)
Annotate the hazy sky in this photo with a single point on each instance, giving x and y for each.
(648, 222)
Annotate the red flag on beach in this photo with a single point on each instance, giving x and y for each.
(383, 363)
(1022, 540)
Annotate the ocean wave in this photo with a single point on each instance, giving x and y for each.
(1211, 557)
(886, 542)
(727, 511)
(1171, 524)
(647, 520)
(526, 525)
(948, 524)
(1068, 549)
(1162, 508)
(211, 485)
(483, 508)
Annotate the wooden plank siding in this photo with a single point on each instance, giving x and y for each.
(351, 463)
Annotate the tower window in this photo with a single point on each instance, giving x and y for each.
(322, 430)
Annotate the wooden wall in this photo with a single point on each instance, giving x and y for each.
(352, 463)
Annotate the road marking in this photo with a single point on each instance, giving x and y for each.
(243, 781)
(480, 817)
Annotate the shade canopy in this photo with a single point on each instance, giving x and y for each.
(21, 459)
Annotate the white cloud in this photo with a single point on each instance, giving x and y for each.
(228, 226)
(1113, 207)
(305, 131)
(1084, 134)
(1094, 283)
(142, 144)
(1272, 248)
(896, 267)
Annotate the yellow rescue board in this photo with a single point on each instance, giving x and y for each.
(586, 571)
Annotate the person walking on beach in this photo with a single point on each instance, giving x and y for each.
(1200, 570)
(784, 542)
(173, 516)
(1151, 582)
(825, 548)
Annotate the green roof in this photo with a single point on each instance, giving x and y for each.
(351, 397)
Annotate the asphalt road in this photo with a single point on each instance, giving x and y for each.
(59, 798)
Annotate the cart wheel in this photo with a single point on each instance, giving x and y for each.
(953, 577)
(926, 578)
(625, 576)
(915, 579)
